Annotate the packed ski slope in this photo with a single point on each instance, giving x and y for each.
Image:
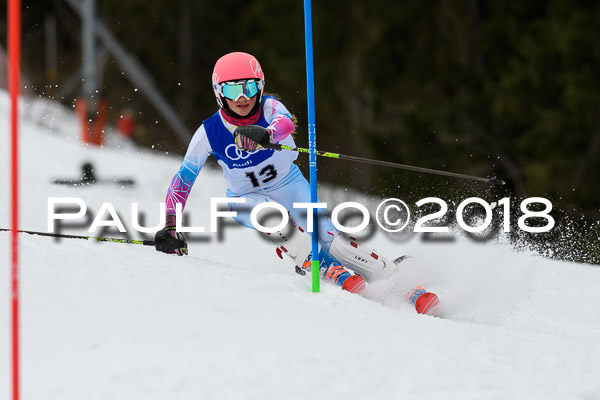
(233, 321)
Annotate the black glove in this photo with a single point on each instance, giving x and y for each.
(252, 137)
(168, 240)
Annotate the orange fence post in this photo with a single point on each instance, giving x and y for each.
(93, 120)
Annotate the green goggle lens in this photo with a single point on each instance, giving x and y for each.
(233, 91)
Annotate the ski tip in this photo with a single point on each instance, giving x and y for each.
(427, 303)
(354, 284)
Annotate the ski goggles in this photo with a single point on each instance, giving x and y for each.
(235, 90)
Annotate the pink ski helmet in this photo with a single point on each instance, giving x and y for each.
(235, 67)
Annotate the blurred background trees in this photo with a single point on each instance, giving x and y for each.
(506, 88)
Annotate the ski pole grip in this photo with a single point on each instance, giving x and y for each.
(274, 146)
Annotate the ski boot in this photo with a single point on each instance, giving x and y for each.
(340, 276)
(332, 271)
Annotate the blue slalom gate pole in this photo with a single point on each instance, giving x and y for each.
(312, 141)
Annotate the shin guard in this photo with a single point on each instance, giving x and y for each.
(361, 259)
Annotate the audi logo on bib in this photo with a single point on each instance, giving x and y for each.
(234, 154)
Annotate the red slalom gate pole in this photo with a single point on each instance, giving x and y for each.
(14, 71)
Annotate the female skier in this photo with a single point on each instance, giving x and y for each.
(260, 174)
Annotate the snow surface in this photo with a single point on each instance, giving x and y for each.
(233, 321)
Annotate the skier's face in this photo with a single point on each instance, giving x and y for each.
(242, 107)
